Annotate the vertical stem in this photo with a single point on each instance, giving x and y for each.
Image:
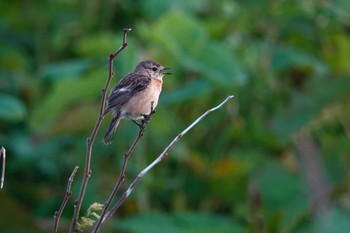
(3, 154)
(65, 200)
(91, 139)
(122, 171)
(116, 187)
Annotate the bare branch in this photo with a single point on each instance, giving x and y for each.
(158, 160)
(65, 200)
(91, 139)
(122, 172)
(3, 154)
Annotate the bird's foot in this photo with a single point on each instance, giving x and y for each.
(147, 118)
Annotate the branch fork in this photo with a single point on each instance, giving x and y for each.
(108, 212)
(91, 139)
(105, 216)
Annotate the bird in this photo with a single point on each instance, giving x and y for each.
(135, 95)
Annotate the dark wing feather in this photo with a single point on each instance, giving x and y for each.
(127, 87)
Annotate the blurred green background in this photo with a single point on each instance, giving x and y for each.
(273, 159)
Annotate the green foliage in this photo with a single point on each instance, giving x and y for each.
(65, 93)
(176, 223)
(286, 62)
(12, 109)
(188, 42)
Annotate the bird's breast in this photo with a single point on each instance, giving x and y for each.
(140, 104)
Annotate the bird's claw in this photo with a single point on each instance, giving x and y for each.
(147, 118)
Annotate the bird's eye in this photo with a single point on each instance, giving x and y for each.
(154, 68)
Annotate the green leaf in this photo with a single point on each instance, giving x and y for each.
(79, 119)
(68, 69)
(186, 39)
(334, 221)
(13, 59)
(66, 92)
(279, 187)
(12, 109)
(98, 44)
(178, 223)
(286, 57)
(189, 91)
(155, 8)
(179, 32)
(306, 106)
(217, 64)
(340, 57)
(283, 192)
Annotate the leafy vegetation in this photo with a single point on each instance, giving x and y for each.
(245, 168)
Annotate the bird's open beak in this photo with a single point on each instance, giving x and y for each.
(165, 69)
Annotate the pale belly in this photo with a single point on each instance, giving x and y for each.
(141, 104)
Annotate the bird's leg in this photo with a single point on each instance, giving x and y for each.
(147, 118)
(138, 124)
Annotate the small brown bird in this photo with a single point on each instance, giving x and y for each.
(133, 95)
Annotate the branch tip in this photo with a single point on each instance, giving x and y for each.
(87, 168)
(68, 194)
(163, 155)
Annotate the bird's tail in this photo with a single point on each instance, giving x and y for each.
(107, 139)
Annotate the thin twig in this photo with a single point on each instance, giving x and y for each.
(122, 171)
(91, 139)
(3, 154)
(65, 200)
(157, 160)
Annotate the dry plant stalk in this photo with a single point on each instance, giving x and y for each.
(3, 154)
(122, 171)
(105, 216)
(65, 200)
(106, 212)
(91, 139)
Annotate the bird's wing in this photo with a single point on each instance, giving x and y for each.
(127, 87)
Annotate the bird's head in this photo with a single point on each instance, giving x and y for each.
(152, 68)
